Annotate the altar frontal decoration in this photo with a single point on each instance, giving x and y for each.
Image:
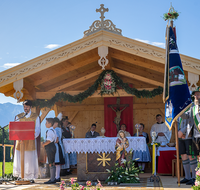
(176, 95)
(111, 80)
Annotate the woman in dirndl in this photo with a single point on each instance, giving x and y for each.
(144, 156)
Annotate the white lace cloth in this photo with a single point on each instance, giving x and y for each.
(97, 145)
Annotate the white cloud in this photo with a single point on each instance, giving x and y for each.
(145, 41)
(9, 65)
(159, 44)
(52, 46)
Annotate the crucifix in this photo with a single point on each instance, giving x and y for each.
(102, 10)
(118, 111)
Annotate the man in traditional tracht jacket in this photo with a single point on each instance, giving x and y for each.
(30, 146)
(194, 125)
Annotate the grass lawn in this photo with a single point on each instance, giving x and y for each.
(8, 168)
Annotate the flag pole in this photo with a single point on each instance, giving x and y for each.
(177, 153)
(177, 142)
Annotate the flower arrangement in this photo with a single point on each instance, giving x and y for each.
(75, 186)
(127, 174)
(171, 15)
(108, 85)
(196, 185)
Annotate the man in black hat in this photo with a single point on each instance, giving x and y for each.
(30, 154)
(193, 129)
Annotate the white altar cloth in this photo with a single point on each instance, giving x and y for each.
(98, 145)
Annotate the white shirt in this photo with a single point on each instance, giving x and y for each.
(161, 128)
(51, 135)
(37, 124)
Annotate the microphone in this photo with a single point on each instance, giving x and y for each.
(21, 117)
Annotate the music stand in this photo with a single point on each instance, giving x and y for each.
(22, 130)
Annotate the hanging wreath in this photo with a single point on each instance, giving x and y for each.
(108, 85)
(111, 80)
(171, 15)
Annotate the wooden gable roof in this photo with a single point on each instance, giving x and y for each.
(74, 67)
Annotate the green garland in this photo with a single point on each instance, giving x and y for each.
(91, 90)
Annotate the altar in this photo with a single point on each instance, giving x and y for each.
(95, 155)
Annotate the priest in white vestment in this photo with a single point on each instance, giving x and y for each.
(163, 135)
(30, 153)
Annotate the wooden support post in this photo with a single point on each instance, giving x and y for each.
(177, 153)
(4, 155)
(22, 158)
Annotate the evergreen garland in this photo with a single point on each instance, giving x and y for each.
(62, 96)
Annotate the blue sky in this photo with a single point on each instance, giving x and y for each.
(30, 28)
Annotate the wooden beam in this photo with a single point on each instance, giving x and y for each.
(55, 108)
(162, 110)
(110, 63)
(147, 73)
(30, 89)
(36, 110)
(81, 79)
(137, 77)
(98, 107)
(44, 111)
(73, 116)
(148, 106)
(9, 93)
(66, 70)
(119, 93)
(136, 61)
(83, 108)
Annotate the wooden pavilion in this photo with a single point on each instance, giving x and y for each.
(74, 67)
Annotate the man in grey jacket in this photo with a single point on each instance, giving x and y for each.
(190, 147)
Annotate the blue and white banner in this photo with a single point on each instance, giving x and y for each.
(176, 95)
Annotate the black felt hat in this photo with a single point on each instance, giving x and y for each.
(27, 103)
(197, 90)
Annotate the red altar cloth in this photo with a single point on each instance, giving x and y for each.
(165, 161)
(22, 130)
